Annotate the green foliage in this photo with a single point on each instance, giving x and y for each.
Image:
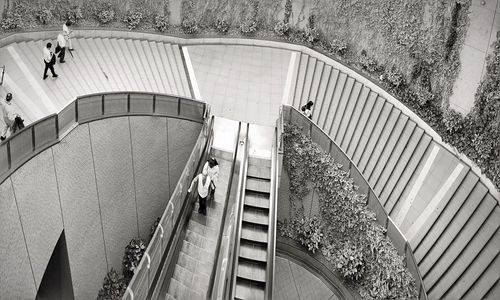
(344, 231)
(288, 11)
(338, 46)
(102, 11)
(281, 28)
(161, 23)
(44, 15)
(133, 18)
(349, 261)
(393, 78)
(368, 63)
(221, 25)
(11, 21)
(113, 287)
(132, 257)
(453, 121)
(311, 34)
(249, 24)
(189, 23)
(153, 227)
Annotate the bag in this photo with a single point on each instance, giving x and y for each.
(58, 48)
(18, 124)
(53, 59)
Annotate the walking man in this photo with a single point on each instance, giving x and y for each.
(10, 117)
(49, 59)
(61, 47)
(203, 181)
(67, 34)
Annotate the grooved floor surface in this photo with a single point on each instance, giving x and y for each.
(295, 282)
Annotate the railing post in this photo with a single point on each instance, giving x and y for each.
(76, 109)
(178, 106)
(9, 158)
(128, 102)
(57, 126)
(154, 103)
(33, 143)
(102, 104)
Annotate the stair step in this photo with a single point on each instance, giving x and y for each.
(177, 290)
(153, 65)
(394, 146)
(132, 65)
(381, 109)
(165, 77)
(344, 99)
(337, 94)
(308, 80)
(253, 251)
(170, 66)
(255, 215)
(202, 229)
(325, 107)
(197, 253)
(126, 74)
(251, 270)
(355, 131)
(110, 61)
(182, 71)
(256, 199)
(259, 172)
(459, 209)
(259, 162)
(249, 290)
(320, 96)
(258, 184)
(88, 67)
(486, 286)
(200, 241)
(312, 93)
(304, 58)
(254, 232)
(341, 127)
(194, 265)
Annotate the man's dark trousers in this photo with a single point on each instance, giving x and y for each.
(49, 66)
(62, 54)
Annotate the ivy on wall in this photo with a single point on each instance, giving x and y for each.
(345, 230)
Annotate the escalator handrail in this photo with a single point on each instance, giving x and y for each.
(271, 248)
(241, 200)
(224, 214)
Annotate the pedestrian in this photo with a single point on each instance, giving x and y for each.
(67, 34)
(10, 117)
(61, 47)
(211, 168)
(203, 181)
(49, 58)
(307, 109)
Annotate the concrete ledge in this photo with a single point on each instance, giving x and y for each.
(51, 33)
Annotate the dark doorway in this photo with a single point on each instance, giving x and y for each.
(56, 281)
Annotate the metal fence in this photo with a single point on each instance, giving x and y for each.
(318, 136)
(42, 134)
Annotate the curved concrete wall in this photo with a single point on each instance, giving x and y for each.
(103, 184)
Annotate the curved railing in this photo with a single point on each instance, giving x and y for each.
(318, 136)
(44, 133)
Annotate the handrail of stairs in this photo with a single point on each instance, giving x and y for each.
(273, 199)
(229, 293)
(20, 147)
(216, 266)
(150, 273)
(318, 136)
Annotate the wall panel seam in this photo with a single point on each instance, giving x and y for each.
(133, 178)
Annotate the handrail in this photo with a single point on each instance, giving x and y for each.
(398, 239)
(3, 73)
(224, 214)
(237, 226)
(44, 133)
(271, 238)
(146, 277)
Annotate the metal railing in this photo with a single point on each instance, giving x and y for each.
(146, 275)
(44, 133)
(318, 136)
(3, 73)
(237, 224)
(219, 254)
(273, 199)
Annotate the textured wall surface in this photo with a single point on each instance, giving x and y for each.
(16, 278)
(80, 206)
(111, 149)
(35, 189)
(180, 138)
(104, 183)
(150, 153)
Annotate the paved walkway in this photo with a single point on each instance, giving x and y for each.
(295, 282)
(484, 24)
(240, 82)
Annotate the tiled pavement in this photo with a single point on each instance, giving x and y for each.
(295, 282)
(484, 24)
(241, 82)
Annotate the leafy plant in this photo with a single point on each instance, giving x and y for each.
(11, 21)
(113, 287)
(189, 23)
(394, 78)
(349, 261)
(249, 25)
(308, 231)
(44, 15)
(221, 25)
(153, 227)
(281, 28)
(133, 255)
(103, 11)
(338, 46)
(368, 63)
(453, 121)
(311, 34)
(133, 19)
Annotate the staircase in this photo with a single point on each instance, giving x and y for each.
(194, 265)
(97, 65)
(448, 215)
(253, 245)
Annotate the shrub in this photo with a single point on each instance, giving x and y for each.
(74, 14)
(133, 255)
(44, 15)
(249, 25)
(281, 28)
(161, 23)
(113, 287)
(338, 46)
(368, 63)
(189, 23)
(288, 11)
(221, 25)
(153, 227)
(10, 22)
(349, 261)
(103, 11)
(453, 121)
(133, 19)
(311, 34)
(393, 78)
